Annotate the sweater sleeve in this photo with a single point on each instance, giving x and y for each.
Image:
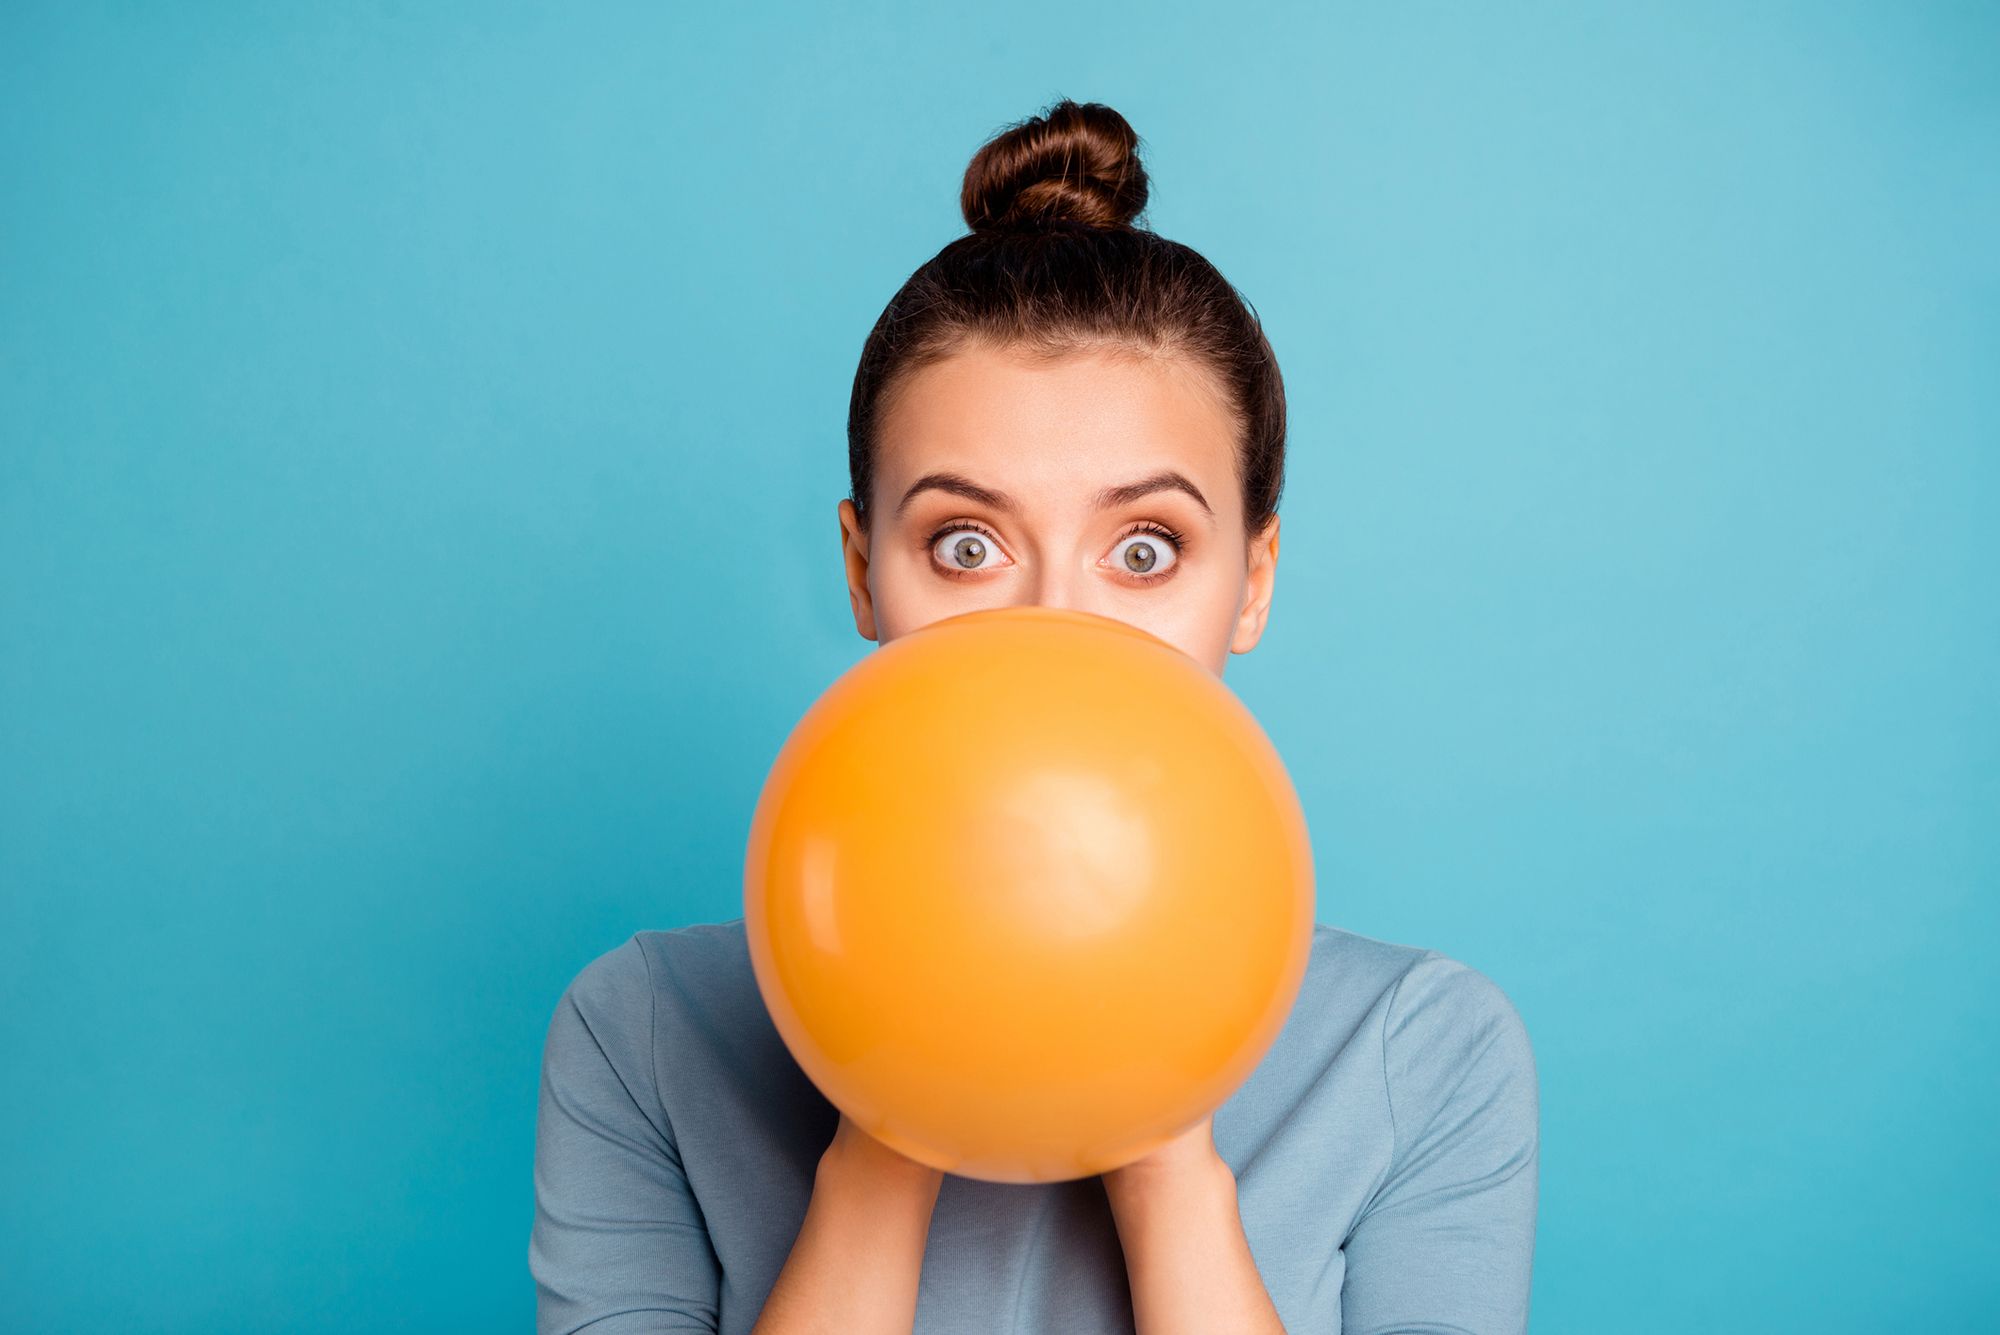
(618, 1244)
(1446, 1244)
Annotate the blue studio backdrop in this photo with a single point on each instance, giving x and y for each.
(420, 432)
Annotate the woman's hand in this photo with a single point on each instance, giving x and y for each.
(1192, 1154)
(1186, 1255)
(868, 1158)
(856, 1261)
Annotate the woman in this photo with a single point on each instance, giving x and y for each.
(1060, 408)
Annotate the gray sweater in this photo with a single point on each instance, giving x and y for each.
(1385, 1151)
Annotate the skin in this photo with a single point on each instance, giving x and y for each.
(1048, 438)
(1031, 445)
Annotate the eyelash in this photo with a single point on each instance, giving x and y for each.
(1153, 527)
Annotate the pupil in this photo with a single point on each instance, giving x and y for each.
(1140, 556)
(968, 551)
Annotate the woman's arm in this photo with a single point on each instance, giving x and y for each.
(1186, 1257)
(619, 1243)
(853, 1268)
(1448, 1240)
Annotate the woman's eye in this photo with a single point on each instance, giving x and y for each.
(964, 549)
(1144, 554)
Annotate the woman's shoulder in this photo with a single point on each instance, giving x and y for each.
(1444, 1029)
(1398, 979)
(696, 945)
(697, 971)
(687, 998)
(1422, 1012)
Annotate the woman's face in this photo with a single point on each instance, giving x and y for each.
(1099, 482)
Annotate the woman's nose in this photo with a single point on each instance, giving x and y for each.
(1054, 588)
(1061, 588)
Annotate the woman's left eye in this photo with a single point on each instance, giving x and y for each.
(963, 548)
(1145, 553)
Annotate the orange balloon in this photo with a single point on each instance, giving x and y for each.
(1028, 893)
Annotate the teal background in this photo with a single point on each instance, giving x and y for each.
(420, 431)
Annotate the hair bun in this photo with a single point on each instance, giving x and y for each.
(1076, 162)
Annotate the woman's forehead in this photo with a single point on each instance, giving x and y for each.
(1056, 430)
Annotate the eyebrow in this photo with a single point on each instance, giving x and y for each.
(960, 485)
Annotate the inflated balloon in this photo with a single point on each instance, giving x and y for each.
(1028, 893)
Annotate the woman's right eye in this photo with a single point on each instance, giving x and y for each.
(965, 549)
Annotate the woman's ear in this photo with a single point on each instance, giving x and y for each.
(1259, 584)
(854, 555)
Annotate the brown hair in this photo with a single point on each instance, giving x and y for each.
(1053, 266)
